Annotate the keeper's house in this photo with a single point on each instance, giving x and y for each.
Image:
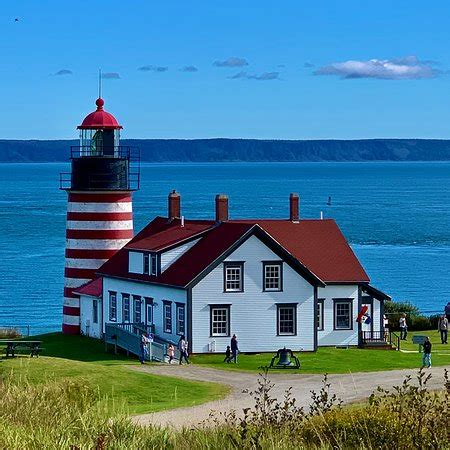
(274, 283)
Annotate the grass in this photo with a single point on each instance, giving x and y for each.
(81, 359)
(332, 360)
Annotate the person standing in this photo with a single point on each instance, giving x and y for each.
(182, 347)
(443, 328)
(403, 327)
(227, 354)
(171, 353)
(426, 357)
(234, 348)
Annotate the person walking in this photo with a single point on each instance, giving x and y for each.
(426, 357)
(234, 348)
(443, 328)
(403, 327)
(143, 348)
(227, 355)
(182, 347)
(171, 353)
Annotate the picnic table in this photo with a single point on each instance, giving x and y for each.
(12, 345)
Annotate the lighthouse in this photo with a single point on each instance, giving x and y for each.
(103, 176)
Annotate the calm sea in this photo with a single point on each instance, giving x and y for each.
(395, 215)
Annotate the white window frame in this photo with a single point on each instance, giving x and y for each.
(181, 322)
(126, 308)
(338, 302)
(319, 312)
(226, 321)
(167, 317)
(112, 306)
(137, 309)
(95, 310)
(269, 265)
(231, 266)
(153, 264)
(293, 308)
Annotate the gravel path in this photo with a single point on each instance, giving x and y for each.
(349, 387)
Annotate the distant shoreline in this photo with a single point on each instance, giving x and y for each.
(242, 150)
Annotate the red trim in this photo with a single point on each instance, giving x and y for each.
(82, 216)
(71, 311)
(68, 292)
(99, 234)
(100, 198)
(72, 272)
(89, 254)
(70, 329)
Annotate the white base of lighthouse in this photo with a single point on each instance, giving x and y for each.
(98, 224)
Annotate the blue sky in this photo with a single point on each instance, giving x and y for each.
(281, 70)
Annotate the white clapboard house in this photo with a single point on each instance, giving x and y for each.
(273, 282)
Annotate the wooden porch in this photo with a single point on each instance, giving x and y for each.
(380, 340)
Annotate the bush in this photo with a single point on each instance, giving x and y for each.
(418, 323)
(9, 333)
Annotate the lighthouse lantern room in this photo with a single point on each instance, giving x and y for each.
(103, 176)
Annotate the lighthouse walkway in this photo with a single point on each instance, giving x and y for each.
(127, 337)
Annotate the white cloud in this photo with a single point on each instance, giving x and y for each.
(111, 76)
(153, 69)
(64, 72)
(265, 76)
(189, 69)
(404, 68)
(232, 62)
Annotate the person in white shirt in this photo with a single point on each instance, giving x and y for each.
(403, 327)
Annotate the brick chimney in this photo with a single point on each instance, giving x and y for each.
(221, 207)
(294, 207)
(174, 205)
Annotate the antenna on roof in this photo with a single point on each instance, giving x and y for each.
(99, 83)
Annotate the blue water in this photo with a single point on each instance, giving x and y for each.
(395, 215)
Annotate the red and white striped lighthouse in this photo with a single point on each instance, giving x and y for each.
(99, 212)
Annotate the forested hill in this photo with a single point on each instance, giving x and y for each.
(209, 150)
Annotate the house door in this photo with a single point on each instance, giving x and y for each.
(149, 311)
(367, 322)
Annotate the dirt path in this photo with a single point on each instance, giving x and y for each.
(349, 387)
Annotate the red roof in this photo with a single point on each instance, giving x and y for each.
(92, 288)
(99, 119)
(318, 245)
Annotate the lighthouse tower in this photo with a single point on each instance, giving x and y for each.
(103, 176)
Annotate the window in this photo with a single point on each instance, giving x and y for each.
(126, 312)
(137, 309)
(95, 311)
(167, 319)
(343, 314)
(153, 264)
(146, 263)
(287, 320)
(272, 276)
(180, 318)
(112, 306)
(320, 303)
(220, 320)
(233, 277)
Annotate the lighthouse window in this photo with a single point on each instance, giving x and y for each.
(113, 306)
(272, 276)
(180, 318)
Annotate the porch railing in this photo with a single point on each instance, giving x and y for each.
(379, 338)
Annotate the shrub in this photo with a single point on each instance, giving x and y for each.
(9, 333)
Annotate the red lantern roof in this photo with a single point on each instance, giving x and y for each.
(99, 119)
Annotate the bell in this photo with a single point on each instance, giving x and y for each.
(285, 357)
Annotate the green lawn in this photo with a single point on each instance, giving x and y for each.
(84, 359)
(333, 360)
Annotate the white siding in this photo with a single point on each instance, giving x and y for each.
(135, 262)
(253, 312)
(376, 315)
(169, 257)
(329, 336)
(158, 293)
(87, 325)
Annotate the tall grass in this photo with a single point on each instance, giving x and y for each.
(74, 416)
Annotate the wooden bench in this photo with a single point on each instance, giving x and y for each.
(419, 339)
(14, 346)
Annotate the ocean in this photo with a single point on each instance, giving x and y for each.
(396, 217)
